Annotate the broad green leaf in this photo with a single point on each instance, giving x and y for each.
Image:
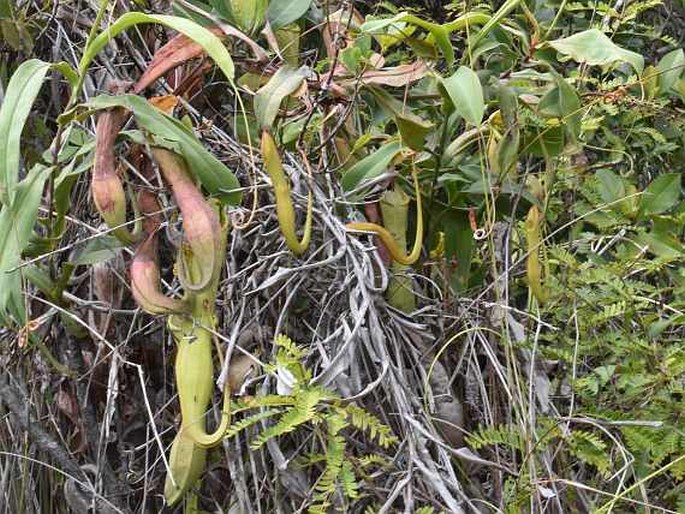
(544, 142)
(247, 15)
(661, 194)
(564, 103)
(671, 66)
(371, 166)
(268, 99)
(19, 97)
(100, 249)
(210, 43)
(615, 191)
(466, 93)
(595, 48)
(657, 327)
(679, 87)
(16, 226)
(213, 175)
(667, 248)
(610, 186)
(412, 128)
(284, 12)
(650, 81)
(459, 246)
(396, 33)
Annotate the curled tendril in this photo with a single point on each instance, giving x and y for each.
(398, 254)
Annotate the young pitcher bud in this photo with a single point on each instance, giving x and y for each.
(106, 186)
(145, 266)
(145, 281)
(201, 224)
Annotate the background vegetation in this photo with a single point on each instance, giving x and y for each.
(513, 344)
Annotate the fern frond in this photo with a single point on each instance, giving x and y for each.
(369, 460)
(289, 347)
(337, 469)
(503, 435)
(591, 449)
(246, 423)
(303, 411)
(367, 422)
(262, 402)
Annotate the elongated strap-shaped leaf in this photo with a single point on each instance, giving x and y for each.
(466, 93)
(21, 93)
(438, 32)
(213, 175)
(268, 99)
(211, 44)
(371, 166)
(16, 226)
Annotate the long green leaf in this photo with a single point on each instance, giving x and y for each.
(671, 67)
(662, 194)
(268, 99)
(210, 43)
(466, 93)
(16, 226)
(370, 166)
(21, 93)
(411, 127)
(213, 175)
(284, 12)
(595, 48)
